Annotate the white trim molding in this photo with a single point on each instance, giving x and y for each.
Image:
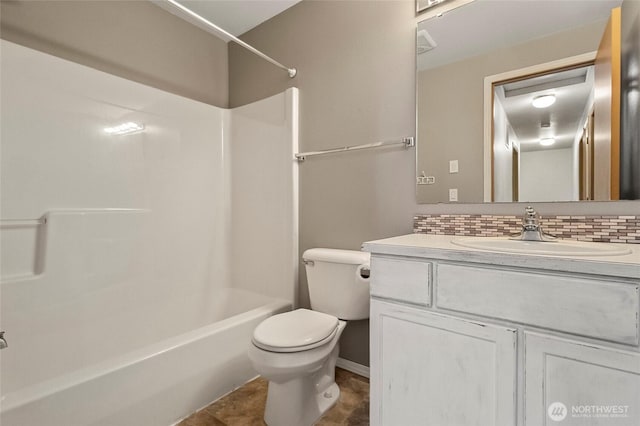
(354, 367)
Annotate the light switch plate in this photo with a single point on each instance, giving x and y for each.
(453, 166)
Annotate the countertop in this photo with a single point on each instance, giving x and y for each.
(439, 247)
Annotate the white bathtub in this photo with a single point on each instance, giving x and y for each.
(156, 385)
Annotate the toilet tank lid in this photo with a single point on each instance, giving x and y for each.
(351, 257)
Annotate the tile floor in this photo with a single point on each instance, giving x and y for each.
(245, 405)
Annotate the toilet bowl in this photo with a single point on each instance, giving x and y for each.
(301, 384)
(297, 351)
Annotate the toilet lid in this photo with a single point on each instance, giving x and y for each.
(295, 331)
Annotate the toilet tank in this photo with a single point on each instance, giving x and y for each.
(338, 282)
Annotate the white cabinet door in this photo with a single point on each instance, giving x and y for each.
(433, 369)
(572, 383)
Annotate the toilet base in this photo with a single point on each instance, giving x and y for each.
(304, 399)
(314, 408)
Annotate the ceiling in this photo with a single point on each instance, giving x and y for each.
(480, 26)
(233, 16)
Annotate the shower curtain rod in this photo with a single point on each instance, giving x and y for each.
(291, 71)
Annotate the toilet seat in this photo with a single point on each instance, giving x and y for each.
(295, 331)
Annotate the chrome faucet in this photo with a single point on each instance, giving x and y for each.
(531, 228)
(3, 343)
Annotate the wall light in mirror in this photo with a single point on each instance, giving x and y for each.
(547, 141)
(124, 128)
(543, 101)
(422, 5)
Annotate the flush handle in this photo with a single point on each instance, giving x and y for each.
(365, 271)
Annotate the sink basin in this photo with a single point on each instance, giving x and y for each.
(548, 248)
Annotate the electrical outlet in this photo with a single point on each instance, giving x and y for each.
(425, 180)
(453, 194)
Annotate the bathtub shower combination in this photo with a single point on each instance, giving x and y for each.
(144, 236)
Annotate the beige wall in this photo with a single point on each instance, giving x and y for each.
(451, 120)
(357, 85)
(136, 40)
(356, 78)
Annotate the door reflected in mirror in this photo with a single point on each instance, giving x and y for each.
(480, 67)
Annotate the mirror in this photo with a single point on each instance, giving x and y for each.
(481, 139)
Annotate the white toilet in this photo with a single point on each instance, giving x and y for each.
(297, 351)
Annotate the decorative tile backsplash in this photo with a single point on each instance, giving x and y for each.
(608, 229)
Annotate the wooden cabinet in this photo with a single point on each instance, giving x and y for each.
(461, 343)
(433, 369)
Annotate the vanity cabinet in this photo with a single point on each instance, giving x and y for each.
(580, 375)
(448, 370)
(464, 337)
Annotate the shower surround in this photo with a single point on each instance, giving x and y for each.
(135, 266)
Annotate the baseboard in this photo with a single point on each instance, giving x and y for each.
(354, 367)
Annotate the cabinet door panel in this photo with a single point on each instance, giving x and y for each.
(433, 369)
(597, 386)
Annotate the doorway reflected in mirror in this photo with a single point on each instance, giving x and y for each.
(540, 127)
